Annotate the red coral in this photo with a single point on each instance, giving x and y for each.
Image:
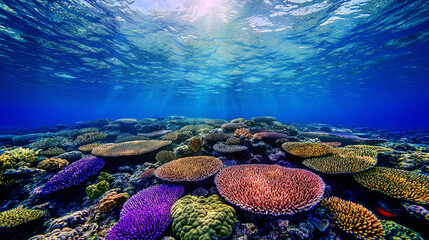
(270, 189)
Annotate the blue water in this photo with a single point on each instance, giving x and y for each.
(355, 62)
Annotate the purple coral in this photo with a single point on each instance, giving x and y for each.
(74, 174)
(146, 215)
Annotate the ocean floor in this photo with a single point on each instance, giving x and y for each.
(186, 178)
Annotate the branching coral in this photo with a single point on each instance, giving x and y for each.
(165, 156)
(354, 218)
(90, 137)
(195, 143)
(52, 164)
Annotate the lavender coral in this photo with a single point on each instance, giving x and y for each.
(74, 174)
(147, 214)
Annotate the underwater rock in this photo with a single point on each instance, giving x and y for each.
(71, 220)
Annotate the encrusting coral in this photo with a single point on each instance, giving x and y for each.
(201, 218)
(354, 218)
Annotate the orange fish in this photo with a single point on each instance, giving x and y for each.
(385, 213)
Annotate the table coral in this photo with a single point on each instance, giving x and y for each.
(354, 218)
(132, 148)
(200, 218)
(189, 169)
(396, 183)
(270, 189)
(306, 149)
(343, 160)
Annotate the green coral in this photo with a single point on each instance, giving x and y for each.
(13, 159)
(202, 218)
(18, 216)
(52, 152)
(395, 231)
(94, 191)
(105, 176)
(165, 156)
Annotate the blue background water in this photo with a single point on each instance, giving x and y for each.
(352, 62)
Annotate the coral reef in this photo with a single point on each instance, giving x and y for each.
(306, 149)
(189, 169)
(223, 148)
(88, 147)
(18, 216)
(74, 174)
(216, 137)
(201, 218)
(396, 183)
(265, 119)
(344, 138)
(354, 218)
(268, 136)
(132, 148)
(90, 137)
(266, 189)
(242, 132)
(231, 127)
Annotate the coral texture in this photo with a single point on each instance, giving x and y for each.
(88, 147)
(195, 143)
(344, 138)
(112, 200)
(242, 132)
(132, 148)
(18, 216)
(396, 183)
(223, 148)
(395, 231)
(354, 218)
(146, 215)
(189, 169)
(90, 137)
(269, 136)
(95, 191)
(75, 174)
(200, 218)
(216, 137)
(52, 164)
(305, 150)
(270, 189)
(343, 160)
(165, 156)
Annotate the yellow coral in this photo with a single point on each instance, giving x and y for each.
(306, 149)
(343, 160)
(18, 216)
(88, 147)
(195, 143)
(354, 218)
(131, 148)
(52, 164)
(396, 183)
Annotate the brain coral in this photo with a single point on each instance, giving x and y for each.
(200, 218)
(270, 189)
(74, 174)
(146, 215)
(394, 231)
(18, 216)
(396, 183)
(189, 169)
(354, 218)
(132, 148)
(305, 149)
(343, 160)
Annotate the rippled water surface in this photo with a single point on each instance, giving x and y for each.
(352, 62)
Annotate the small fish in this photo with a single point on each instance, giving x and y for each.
(385, 213)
